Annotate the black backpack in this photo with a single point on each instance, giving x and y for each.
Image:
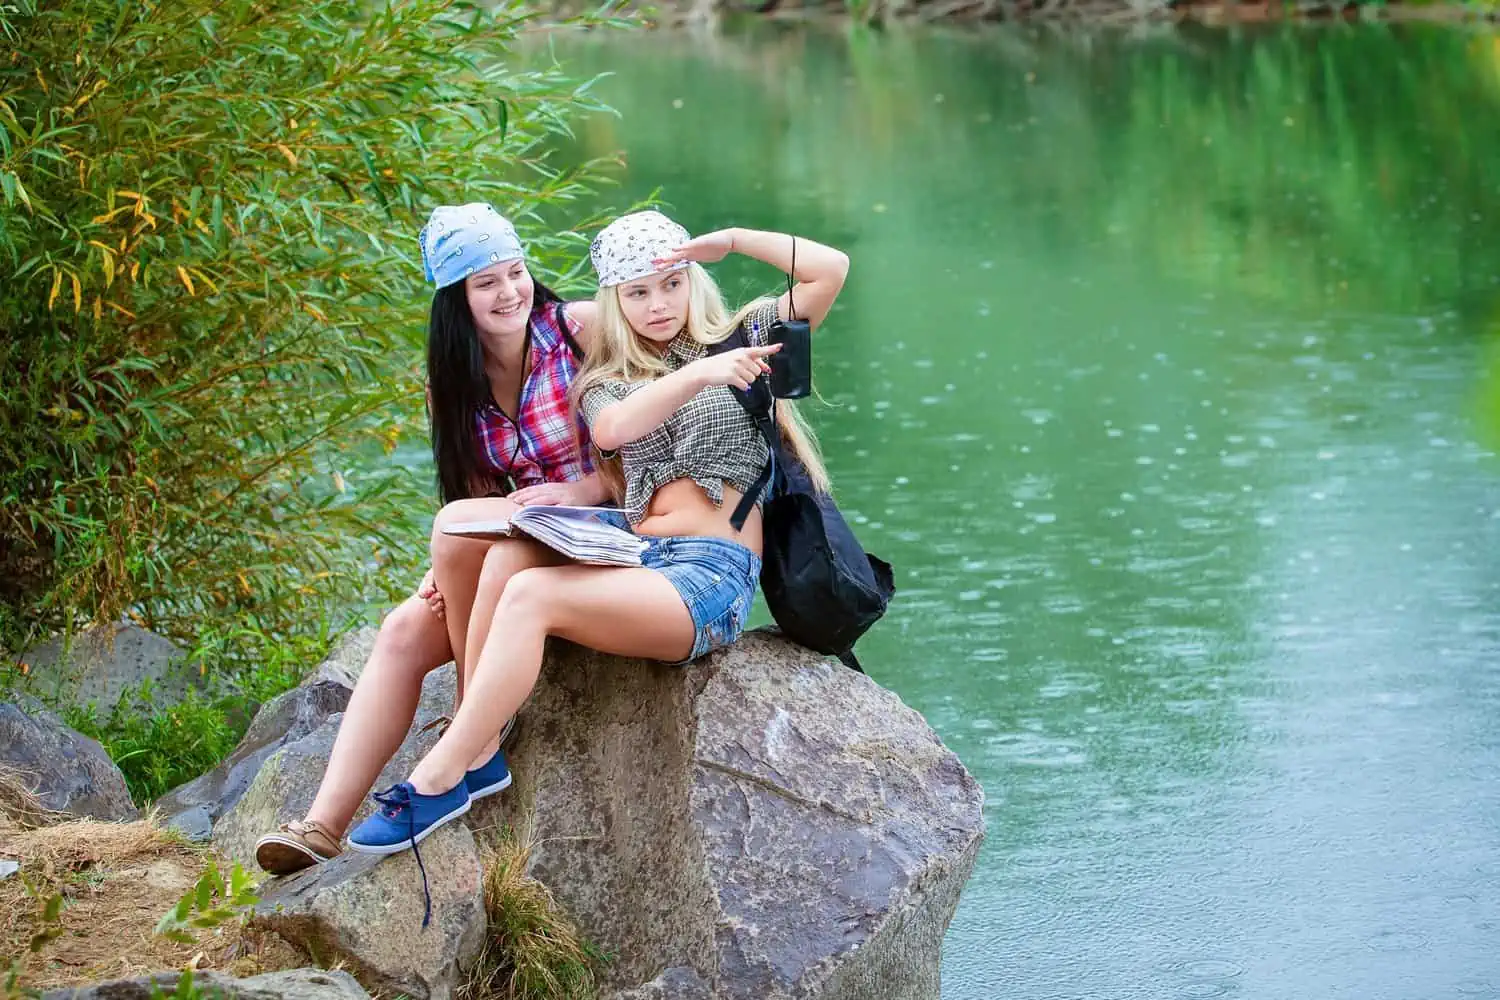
(823, 588)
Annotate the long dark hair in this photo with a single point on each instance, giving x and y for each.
(459, 387)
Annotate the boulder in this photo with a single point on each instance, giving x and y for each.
(295, 984)
(100, 664)
(365, 912)
(347, 660)
(194, 807)
(287, 781)
(70, 773)
(765, 823)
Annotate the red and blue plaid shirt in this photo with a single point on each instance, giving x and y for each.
(549, 443)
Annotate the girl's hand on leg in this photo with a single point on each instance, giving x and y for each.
(427, 591)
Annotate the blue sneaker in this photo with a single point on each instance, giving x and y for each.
(488, 778)
(407, 817)
(405, 820)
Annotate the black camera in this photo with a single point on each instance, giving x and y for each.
(791, 367)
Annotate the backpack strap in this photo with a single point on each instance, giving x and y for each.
(759, 405)
(848, 659)
(562, 327)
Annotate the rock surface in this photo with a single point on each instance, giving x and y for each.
(295, 984)
(762, 824)
(194, 807)
(347, 660)
(288, 779)
(70, 773)
(365, 912)
(101, 663)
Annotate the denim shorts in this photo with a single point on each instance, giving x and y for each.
(717, 580)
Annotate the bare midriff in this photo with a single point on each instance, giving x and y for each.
(682, 508)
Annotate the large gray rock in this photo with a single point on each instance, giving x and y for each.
(70, 773)
(194, 807)
(763, 824)
(366, 912)
(287, 781)
(347, 660)
(101, 663)
(295, 984)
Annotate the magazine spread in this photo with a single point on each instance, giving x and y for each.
(583, 534)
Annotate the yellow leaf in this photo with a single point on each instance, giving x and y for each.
(128, 194)
(244, 583)
(206, 280)
(122, 244)
(291, 157)
(99, 220)
(41, 81)
(203, 226)
(294, 123)
(135, 269)
(119, 308)
(98, 311)
(108, 262)
(315, 312)
(338, 481)
(188, 282)
(56, 287)
(77, 294)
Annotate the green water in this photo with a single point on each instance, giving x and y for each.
(1166, 376)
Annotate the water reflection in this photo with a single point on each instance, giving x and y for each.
(1166, 379)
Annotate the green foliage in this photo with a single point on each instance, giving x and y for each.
(158, 744)
(158, 749)
(211, 903)
(215, 309)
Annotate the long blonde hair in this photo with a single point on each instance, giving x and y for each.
(617, 353)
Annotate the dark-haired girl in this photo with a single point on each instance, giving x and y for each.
(502, 353)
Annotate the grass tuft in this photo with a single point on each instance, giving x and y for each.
(533, 950)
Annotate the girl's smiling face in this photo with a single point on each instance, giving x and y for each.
(500, 298)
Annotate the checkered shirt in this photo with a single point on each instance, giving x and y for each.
(710, 439)
(550, 444)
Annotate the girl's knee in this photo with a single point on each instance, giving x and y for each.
(499, 564)
(529, 593)
(410, 629)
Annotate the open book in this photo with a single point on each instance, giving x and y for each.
(583, 534)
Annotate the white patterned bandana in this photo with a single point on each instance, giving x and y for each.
(625, 250)
(461, 239)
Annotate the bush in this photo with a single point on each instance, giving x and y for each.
(213, 333)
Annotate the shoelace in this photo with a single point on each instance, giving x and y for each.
(396, 799)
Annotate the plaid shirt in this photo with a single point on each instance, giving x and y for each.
(710, 439)
(550, 443)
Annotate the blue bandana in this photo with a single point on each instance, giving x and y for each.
(459, 240)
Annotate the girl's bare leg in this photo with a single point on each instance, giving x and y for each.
(627, 612)
(411, 643)
(456, 563)
(504, 560)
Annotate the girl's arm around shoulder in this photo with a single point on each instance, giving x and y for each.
(582, 316)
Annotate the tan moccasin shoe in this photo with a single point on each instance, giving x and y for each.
(299, 844)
